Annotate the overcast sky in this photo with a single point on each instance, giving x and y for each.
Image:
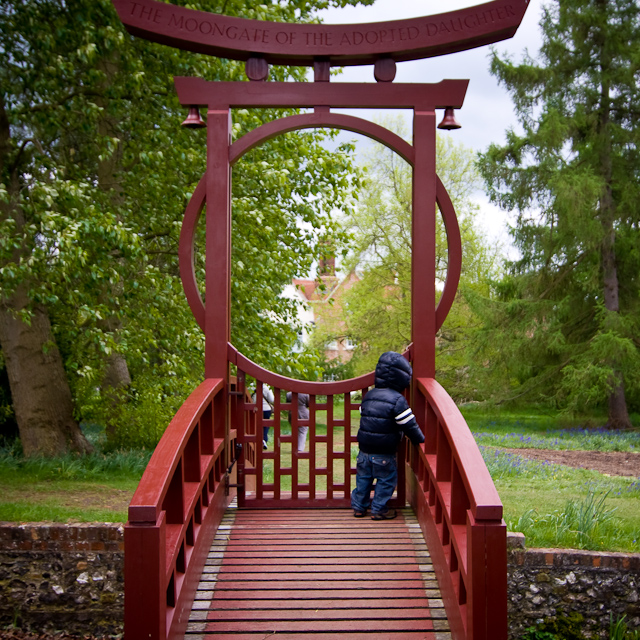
(488, 111)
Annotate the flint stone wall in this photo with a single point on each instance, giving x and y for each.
(595, 584)
(56, 577)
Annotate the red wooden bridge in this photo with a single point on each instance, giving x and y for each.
(289, 560)
(293, 560)
(213, 448)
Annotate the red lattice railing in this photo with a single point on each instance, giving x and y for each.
(321, 476)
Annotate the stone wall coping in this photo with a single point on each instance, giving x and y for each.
(58, 536)
(109, 536)
(575, 557)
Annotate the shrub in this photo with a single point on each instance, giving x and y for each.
(562, 627)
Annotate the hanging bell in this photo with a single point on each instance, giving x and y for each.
(194, 121)
(449, 121)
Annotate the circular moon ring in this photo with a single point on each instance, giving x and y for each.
(310, 121)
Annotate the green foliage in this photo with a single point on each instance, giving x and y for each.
(561, 627)
(565, 316)
(122, 464)
(502, 464)
(619, 630)
(583, 519)
(8, 426)
(95, 173)
(575, 515)
(531, 433)
(378, 306)
(533, 633)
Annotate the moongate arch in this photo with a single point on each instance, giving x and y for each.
(307, 121)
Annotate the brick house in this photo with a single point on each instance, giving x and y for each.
(322, 309)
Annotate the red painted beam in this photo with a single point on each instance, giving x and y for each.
(147, 500)
(381, 95)
(303, 44)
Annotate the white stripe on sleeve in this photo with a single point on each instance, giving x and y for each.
(403, 414)
(405, 420)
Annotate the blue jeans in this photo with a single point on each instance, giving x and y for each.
(266, 414)
(384, 470)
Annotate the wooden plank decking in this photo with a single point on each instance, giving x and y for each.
(318, 574)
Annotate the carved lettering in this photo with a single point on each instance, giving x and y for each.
(371, 37)
(217, 28)
(176, 22)
(356, 38)
(319, 39)
(471, 21)
(146, 13)
(244, 36)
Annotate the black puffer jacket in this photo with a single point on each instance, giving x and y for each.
(385, 412)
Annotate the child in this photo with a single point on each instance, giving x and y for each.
(385, 415)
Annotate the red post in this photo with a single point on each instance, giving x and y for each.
(218, 245)
(145, 595)
(487, 580)
(423, 254)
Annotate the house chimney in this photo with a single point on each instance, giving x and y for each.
(327, 266)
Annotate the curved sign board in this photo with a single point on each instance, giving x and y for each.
(340, 44)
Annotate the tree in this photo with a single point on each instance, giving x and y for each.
(379, 305)
(94, 171)
(570, 302)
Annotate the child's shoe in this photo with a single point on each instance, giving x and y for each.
(389, 515)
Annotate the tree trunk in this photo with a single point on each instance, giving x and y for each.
(116, 376)
(618, 417)
(39, 389)
(115, 381)
(41, 396)
(618, 413)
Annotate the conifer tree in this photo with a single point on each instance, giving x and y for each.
(568, 310)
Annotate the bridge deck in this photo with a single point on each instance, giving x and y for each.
(318, 574)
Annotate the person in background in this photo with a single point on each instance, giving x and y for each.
(303, 414)
(267, 407)
(385, 417)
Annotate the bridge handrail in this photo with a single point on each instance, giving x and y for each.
(460, 513)
(147, 500)
(173, 514)
(485, 502)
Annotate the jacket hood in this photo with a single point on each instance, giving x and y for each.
(393, 372)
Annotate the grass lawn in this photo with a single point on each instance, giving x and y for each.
(95, 488)
(553, 505)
